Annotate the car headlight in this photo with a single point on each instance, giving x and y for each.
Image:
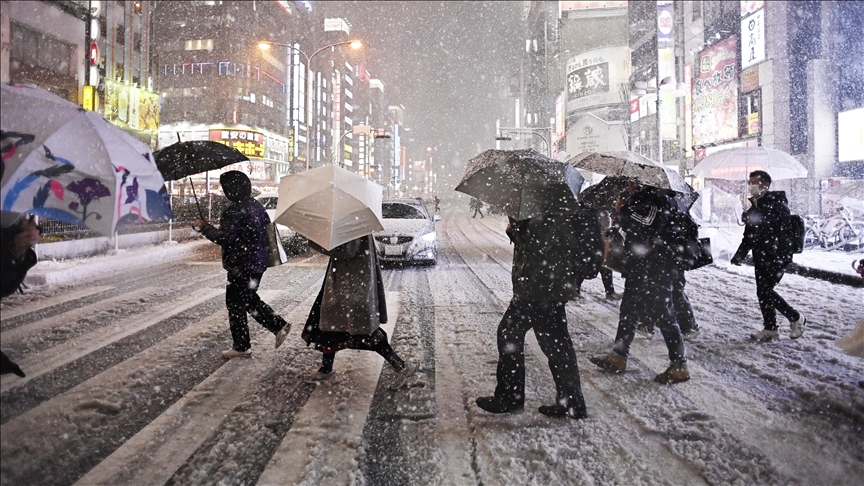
(429, 237)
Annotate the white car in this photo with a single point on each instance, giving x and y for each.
(409, 232)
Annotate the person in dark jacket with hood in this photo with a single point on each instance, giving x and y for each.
(242, 234)
(764, 234)
(16, 258)
(552, 253)
(650, 273)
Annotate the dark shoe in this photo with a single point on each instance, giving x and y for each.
(8, 366)
(613, 362)
(797, 327)
(497, 405)
(562, 411)
(613, 296)
(675, 373)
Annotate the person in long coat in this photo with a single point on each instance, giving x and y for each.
(764, 234)
(350, 308)
(552, 253)
(242, 235)
(649, 275)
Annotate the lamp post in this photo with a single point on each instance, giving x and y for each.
(265, 45)
(667, 85)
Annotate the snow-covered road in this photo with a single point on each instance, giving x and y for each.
(126, 385)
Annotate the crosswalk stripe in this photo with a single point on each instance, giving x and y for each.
(154, 455)
(53, 358)
(40, 304)
(339, 442)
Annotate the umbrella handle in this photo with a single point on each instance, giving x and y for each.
(200, 214)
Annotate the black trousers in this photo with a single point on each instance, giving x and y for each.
(767, 277)
(647, 300)
(681, 308)
(606, 277)
(476, 210)
(241, 296)
(549, 321)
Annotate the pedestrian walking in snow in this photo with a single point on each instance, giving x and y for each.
(350, 308)
(551, 253)
(437, 202)
(242, 234)
(765, 233)
(17, 257)
(649, 276)
(605, 220)
(476, 205)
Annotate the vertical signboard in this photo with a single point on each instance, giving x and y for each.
(665, 22)
(594, 77)
(753, 39)
(715, 94)
(688, 110)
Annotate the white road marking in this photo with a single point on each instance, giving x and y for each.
(37, 305)
(325, 435)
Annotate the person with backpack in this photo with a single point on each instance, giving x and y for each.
(649, 273)
(550, 253)
(242, 235)
(768, 233)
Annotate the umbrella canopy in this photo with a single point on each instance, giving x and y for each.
(522, 183)
(604, 194)
(329, 205)
(186, 158)
(633, 167)
(65, 163)
(736, 164)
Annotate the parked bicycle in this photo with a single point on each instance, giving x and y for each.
(837, 232)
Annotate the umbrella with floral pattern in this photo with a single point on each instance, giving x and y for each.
(65, 163)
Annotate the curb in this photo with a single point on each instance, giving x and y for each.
(826, 275)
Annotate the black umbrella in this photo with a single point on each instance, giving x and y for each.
(522, 183)
(186, 158)
(603, 194)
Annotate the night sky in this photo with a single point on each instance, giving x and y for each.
(443, 61)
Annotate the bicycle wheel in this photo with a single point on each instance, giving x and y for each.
(811, 239)
(852, 235)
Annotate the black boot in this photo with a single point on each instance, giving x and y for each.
(498, 405)
(559, 410)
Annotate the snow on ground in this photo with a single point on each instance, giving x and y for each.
(127, 386)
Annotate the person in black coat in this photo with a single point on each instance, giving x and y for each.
(764, 234)
(649, 275)
(551, 254)
(242, 234)
(17, 257)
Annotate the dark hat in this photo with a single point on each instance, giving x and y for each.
(236, 185)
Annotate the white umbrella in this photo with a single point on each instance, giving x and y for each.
(737, 163)
(329, 205)
(63, 162)
(631, 166)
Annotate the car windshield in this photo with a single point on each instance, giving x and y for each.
(401, 211)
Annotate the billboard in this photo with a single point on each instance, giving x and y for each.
(715, 94)
(591, 134)
(249, 143)
(130, 107)
(594, 77)
(850, 135)
(665, 23)
(753, 39)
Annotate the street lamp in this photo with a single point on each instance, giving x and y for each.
(265, 45)
(667, 85)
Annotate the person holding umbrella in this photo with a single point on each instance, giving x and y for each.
(350, 308)
(650, 273)
(17, 257)
(242, 234)
(764, 230)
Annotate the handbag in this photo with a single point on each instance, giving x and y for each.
(275, 251)
(704, 257)
(614, 252)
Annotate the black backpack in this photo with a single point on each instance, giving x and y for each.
(795, 231)
(682, 236)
